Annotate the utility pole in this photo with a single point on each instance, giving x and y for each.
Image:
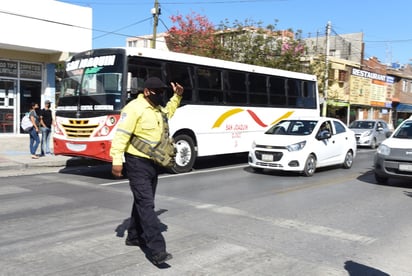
(156, 12)
(325, 85)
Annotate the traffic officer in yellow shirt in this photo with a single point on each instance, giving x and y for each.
(144, 118)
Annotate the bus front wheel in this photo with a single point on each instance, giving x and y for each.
(185, 153)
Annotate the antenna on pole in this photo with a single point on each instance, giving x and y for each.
(155, 12)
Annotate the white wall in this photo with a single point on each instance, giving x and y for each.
(45, 24)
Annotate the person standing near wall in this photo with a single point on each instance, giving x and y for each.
(46, 121)
(34, 131)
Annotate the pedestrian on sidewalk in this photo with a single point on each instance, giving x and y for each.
(34, 131)
(46, 121)
(144, 119)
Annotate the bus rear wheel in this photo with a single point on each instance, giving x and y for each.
(185, 154)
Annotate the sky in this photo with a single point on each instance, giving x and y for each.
(386, 25)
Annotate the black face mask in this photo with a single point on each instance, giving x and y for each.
(156, 99)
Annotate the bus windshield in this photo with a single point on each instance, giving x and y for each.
(93, 81)
(101, 89)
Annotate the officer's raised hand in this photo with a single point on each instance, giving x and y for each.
(177, 88)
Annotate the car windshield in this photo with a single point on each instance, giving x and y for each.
(292, 127)
(405, 131)
(362, 124)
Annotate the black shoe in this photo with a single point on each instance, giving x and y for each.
(161, 257)
(134, 242)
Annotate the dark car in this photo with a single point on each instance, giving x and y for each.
(393, 158)
(369, 133)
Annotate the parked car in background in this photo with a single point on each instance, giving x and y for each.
(393, 158)
(369, 133)
(303, 145)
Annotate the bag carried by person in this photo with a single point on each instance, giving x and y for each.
(163, 153)
(26, 123)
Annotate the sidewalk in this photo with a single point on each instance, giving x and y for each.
(15, 155)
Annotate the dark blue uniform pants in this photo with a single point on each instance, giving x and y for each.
(144, 224)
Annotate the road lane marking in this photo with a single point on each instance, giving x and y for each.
(178, 175)
(279, 222)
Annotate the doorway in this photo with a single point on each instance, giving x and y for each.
(30, 92)
(7, 104)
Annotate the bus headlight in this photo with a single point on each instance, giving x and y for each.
(104, 131)
(111, 121)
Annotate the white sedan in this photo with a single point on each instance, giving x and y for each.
(302, 145)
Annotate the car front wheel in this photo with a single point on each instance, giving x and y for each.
(310, 165)
(347, 164)
(373, 143)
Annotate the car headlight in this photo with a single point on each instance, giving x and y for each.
(384, 149)
(367, 133)
(297, 146)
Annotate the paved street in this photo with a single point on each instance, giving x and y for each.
(218, 220)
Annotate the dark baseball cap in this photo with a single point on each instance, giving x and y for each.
(47, 102)
(154, 83)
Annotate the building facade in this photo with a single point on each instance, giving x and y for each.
(36, 35)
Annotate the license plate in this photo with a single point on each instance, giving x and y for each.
(405, 167)
(267, 157)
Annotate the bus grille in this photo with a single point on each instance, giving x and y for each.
(79, 128)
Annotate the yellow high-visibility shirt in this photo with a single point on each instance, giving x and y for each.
(140, 118)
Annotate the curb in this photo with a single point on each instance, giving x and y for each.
(65, 162)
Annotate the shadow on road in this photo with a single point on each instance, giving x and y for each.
(102, 170)
(356, 269)
(368, 177)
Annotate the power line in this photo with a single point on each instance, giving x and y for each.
(80, 27)
(117, 30)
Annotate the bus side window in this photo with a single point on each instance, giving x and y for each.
(235, 87)
(293, 92)
(277, 91)
(182, 74)
(309, 94)
(210, 85)
(257, 89)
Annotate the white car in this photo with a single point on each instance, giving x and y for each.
(303, 145)
(393, 159)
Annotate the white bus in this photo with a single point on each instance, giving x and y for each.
(225, 104)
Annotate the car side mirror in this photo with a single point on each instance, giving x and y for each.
(379, 128)
(388, 134)
(323, 135)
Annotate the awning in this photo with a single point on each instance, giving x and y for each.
(404, 108)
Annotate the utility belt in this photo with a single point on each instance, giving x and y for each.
(163, 153)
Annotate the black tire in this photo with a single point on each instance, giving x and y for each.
(310, 165)
(185, 154)
(381, 179)
(348, 162)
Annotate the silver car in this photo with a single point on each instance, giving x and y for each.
(370, 133)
